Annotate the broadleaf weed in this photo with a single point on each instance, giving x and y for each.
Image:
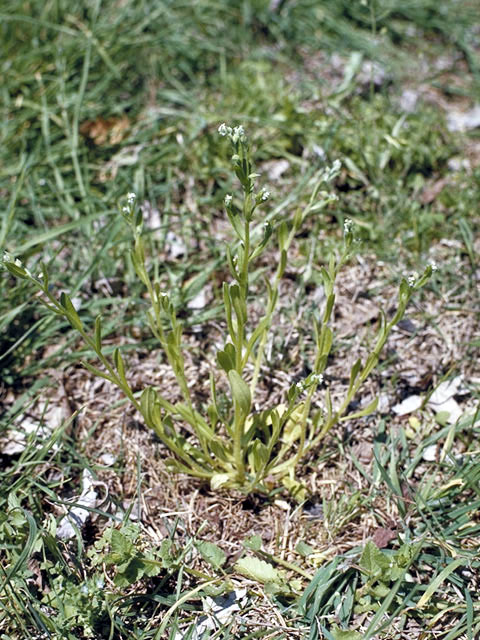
(238, 448)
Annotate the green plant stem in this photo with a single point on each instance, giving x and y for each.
(272, 303)
(113, 374)
(238, 430)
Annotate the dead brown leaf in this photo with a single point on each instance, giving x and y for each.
(105, 130)
(383, 536)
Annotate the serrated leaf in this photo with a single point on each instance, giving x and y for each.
(258, 570)
(122, 548)
(374, 561)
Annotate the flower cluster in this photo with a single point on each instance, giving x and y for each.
(127, 209)
(314, 378)
(235, 133)
(412, 279)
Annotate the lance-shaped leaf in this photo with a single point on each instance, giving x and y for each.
(15, 270)
(96, 371)
(363, 412)
(44, 276)
(240, 392)
(71, 312)
(236, 221)
(98, 333)
(282, 235)
(119, 366)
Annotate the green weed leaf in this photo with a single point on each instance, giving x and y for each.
(212, 554)
(258, 570)
(240, 392)
(71, 312)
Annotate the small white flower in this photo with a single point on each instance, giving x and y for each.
(223, 130)
(336, 166)
(131, 198)
(265, 194)
(125, 210)
(347, 225)
(434, 266)
(42, 182)
(238, 131)
(300, 386)
(317, 377)
(228, 199)
(412, 279)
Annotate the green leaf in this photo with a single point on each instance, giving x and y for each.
(122, 549)
(304, 549)
(212, 554)
(240, 392)
(283, 262)
(219, 480)
(437, 581)
(282, 235)
(258, 456)
(341, 634)
(71, 312)
(253, 542)
(96, 371)
(98, 333)
(236, 221)
(258, 570)
(354, 372)
(120, 367)
(363, 412)
(329, 307)
(374, 561)
(226, 358)
(219, 450)
(326, 341)
(18, 272)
